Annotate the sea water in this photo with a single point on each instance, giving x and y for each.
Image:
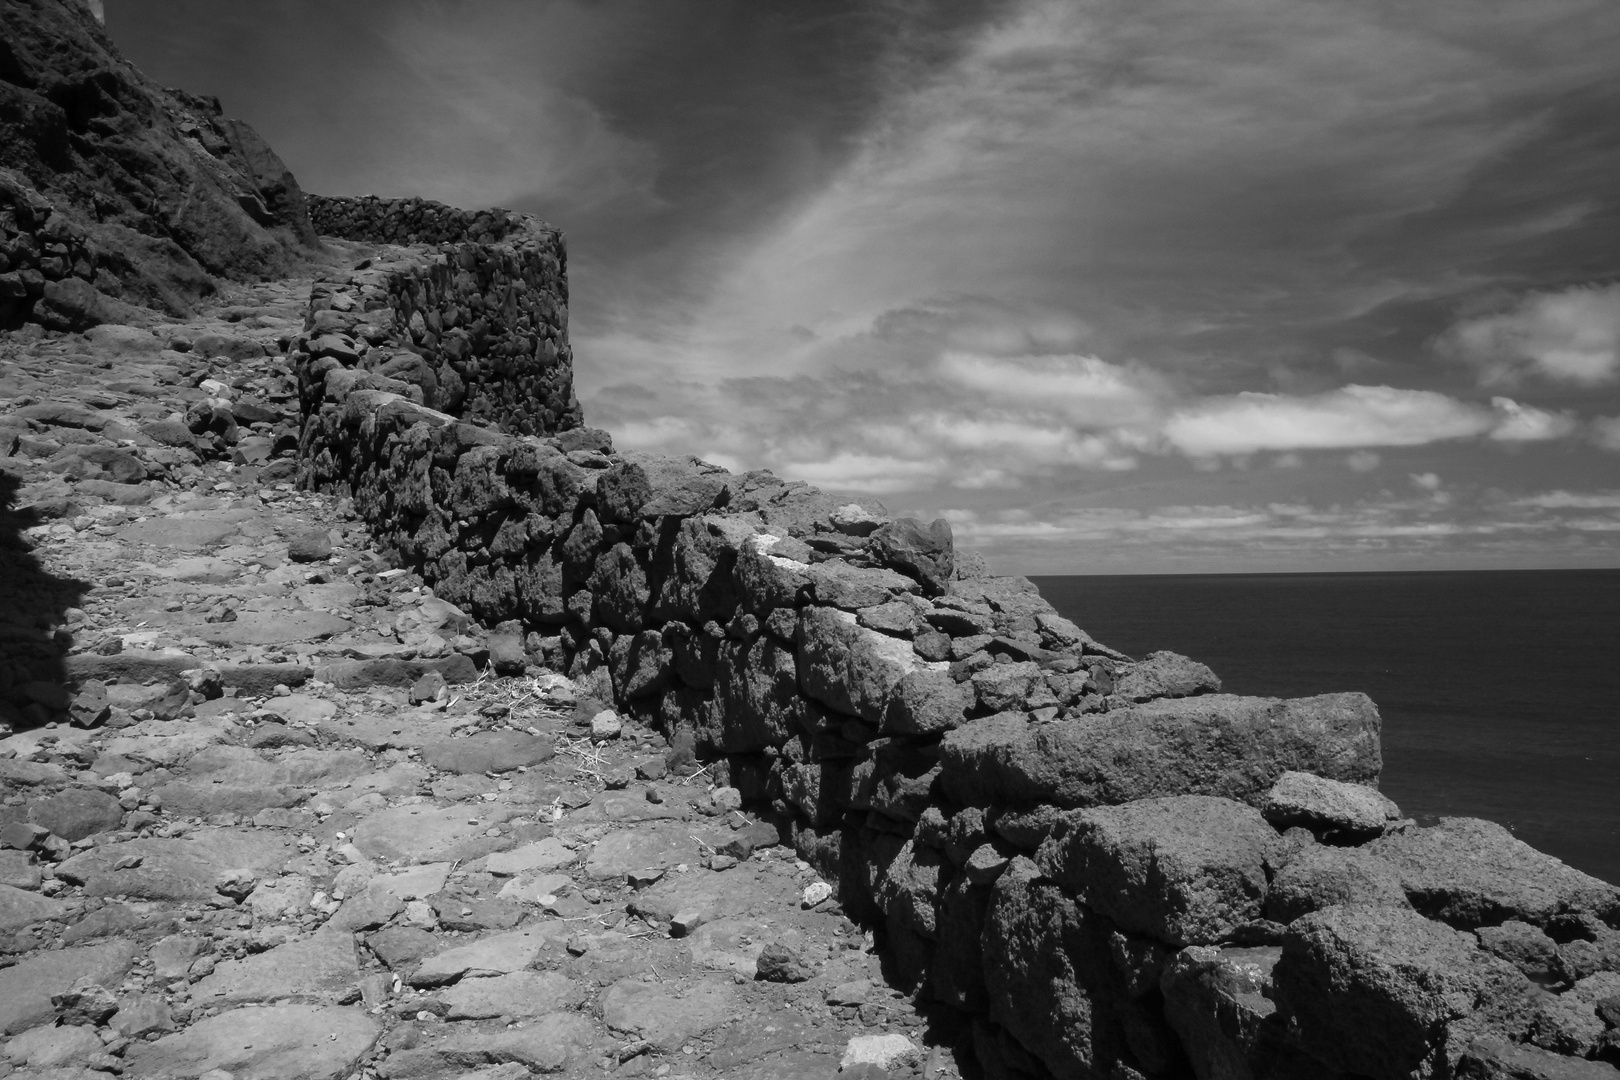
(1500, 690)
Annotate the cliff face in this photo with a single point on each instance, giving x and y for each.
(110, 182)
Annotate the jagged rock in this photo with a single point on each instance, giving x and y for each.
(1473, 873)
(1214, 744)
(1386, 993)
(1220, 1003)
(26, 988)
(1186, 869)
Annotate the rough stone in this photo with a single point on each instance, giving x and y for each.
(1188, 869)
(1334, 809)
(280, 1042)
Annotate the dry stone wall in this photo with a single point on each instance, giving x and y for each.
(47, 263)
(475, 327)
(1108, 867)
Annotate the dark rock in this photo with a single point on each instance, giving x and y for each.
(923, 552)
(1498, 1059)
(487, 752)
(846, 667)
(1051, 983)
(85, 1002)
(313, 546)
(1330, 808)
(427, 688)
(1220, 1003)
(1214, 744)
(1473, 873)
(780, 963)
(77, 813)
(1187, 869)
(1386, 993)
(1524, 946)
(1322, 877)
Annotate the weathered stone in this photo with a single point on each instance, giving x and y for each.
(1329, 807)
(281, 1042)
(1322, 877)
(26, 988)
(846, 667)
(320, 967)
(1524, 946)
(664, 1019)
(838, 584)
(517, 993)
(1219, 1001)
(499, 954)
(1000, 687)
(1164, 675)
(488, 751)
(1385, 993)
(1050, 982)
(923, 552)
(1498, 1059)
(53, 1048)
(1213, 744)
(755, 695)
(1188, 869)
(1473, 873)
(549, 1044)
(19, 907)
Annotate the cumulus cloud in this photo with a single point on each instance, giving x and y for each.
(1571, 336)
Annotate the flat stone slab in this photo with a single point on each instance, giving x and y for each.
(319, 967)
(271, 628)
(488, 751)
(498, 954)
(186, 531)
(422, 833)
(657, 848)
(547, 1045)
(665, 1018)
(280, 1042)
(518, 993)
(175, 869)
(18, 908)
(26, 987)
(542, 855)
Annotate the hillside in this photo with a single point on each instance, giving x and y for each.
(111, 183)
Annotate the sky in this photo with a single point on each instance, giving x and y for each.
(1115, 286)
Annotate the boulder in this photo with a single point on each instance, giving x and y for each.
(923, 552)
(1187, 869)
(1219, 1002)
(927, 700)
(1385, 993)
(1213, 744)
(280, 1042)
(1323, 877)
(1330, 808)
(1473, 873)
(1498, 1059)
(1164, 675)
(847, 667)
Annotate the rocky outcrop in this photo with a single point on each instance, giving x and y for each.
(1111, 867)
(113, 188)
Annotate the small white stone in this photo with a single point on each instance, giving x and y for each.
(606, 725)
(817, 892)
(884, 1051)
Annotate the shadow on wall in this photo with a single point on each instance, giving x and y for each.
(33, 604)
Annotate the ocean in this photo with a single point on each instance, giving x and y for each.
(1499, 690)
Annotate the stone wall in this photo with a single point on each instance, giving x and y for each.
(1106, 867)
(477, 328)
(47, 265)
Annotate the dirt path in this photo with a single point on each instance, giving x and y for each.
(294, 825)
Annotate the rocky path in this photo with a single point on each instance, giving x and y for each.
(304, 820)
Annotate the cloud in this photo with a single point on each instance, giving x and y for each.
(1355, 416)
(1606, 432)
(1571, 336)
(1525, 423)
(1427, 481)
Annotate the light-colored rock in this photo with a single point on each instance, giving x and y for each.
(280, 1042)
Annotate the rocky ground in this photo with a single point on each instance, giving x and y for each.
(296, 823)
